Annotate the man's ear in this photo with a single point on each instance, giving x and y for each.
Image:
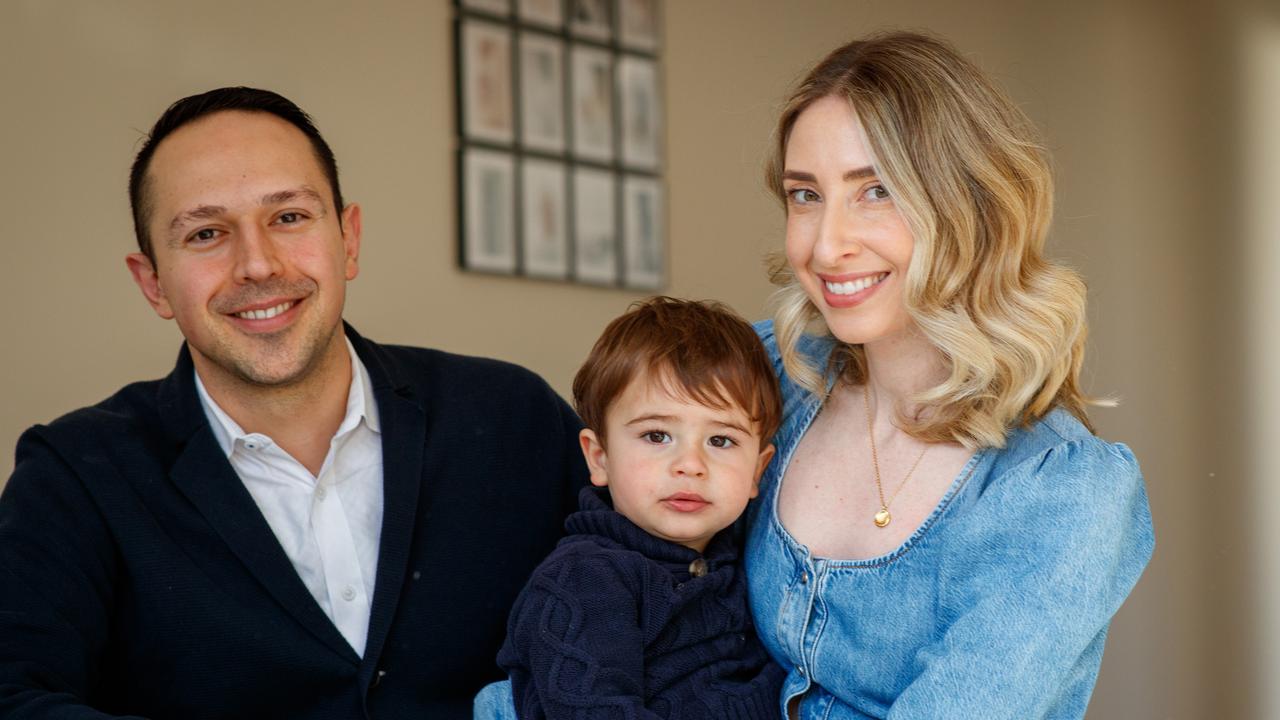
(597, 460)
(148, 281)
(762, 462)
(351, 239)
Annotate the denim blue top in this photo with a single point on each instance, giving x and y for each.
(996, 607)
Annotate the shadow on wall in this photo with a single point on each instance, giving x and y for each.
(1261, 174)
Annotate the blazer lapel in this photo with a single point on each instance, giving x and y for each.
(201, 472)
(404, 432)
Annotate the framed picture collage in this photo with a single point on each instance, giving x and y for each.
(560, 126)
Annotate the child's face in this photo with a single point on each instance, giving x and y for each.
(680, 470)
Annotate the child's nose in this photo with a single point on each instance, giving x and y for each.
(690, 463)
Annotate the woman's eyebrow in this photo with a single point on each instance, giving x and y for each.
(854, 174)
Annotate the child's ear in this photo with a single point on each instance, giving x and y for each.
(597, 461)
(762, 462)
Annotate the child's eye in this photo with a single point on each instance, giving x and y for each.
(721, 441)
(657, 437)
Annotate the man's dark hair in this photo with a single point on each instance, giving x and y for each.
(190, 109)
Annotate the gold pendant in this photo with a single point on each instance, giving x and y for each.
(883, 517)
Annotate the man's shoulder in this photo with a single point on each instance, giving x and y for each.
(133, 406)
(440, 374)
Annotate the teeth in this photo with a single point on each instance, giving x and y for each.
(265, 314)
(853, 286)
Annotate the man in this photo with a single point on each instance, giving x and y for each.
(296, 522)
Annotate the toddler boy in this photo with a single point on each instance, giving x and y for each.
(641, 611)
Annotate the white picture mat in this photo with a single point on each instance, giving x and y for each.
(638, 23)
(548, 13)
(488, 107)
(489, 211)
(495, 7)
(542, 121)
(641, 112)
(591, 19)
(591, 70)
(595, 229)
(545, 219)
(643, 232)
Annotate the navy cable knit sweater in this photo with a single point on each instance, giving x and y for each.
(616, 623)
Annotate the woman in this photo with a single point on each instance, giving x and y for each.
(940, 534)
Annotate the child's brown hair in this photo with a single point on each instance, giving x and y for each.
(701, 350)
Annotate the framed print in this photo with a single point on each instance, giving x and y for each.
(640, 115)
(488, 217)
(592, 73)
(595, 242)
(547, 13)
(643, 235)
(591, 19)
(638, 24)
(542, 125)
(560, 130)
(543, 206)
(501, 8)
(487, 112)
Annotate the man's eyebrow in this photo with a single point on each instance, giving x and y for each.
(854, 174)
(281, 197)
(202, 212)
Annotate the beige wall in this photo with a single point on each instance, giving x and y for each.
(1130, 95)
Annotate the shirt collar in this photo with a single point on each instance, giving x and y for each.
(360, 406)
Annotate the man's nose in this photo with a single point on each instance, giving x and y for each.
(258, 257)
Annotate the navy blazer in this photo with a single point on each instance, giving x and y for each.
(138, 577)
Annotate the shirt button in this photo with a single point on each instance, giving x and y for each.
(801, 671)
(348, 593)
(320, 492)
(804, 578)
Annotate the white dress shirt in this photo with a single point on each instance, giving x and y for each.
(330, 525)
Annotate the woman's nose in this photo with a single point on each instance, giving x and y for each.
(837, 236)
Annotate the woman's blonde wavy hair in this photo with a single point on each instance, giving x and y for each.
(969, 176)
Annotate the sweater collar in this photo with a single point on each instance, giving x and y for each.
(596, 516)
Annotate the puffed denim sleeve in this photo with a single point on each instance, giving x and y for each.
(1029, 584)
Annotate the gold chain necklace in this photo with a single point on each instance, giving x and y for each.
(882, 517)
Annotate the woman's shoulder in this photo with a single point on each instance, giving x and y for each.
(1058, 453)
(814, 347)
(815, 350)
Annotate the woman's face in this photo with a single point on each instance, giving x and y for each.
(846, 242)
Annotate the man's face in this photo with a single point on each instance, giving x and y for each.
(250, 256)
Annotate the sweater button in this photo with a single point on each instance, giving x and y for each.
(698, 567)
